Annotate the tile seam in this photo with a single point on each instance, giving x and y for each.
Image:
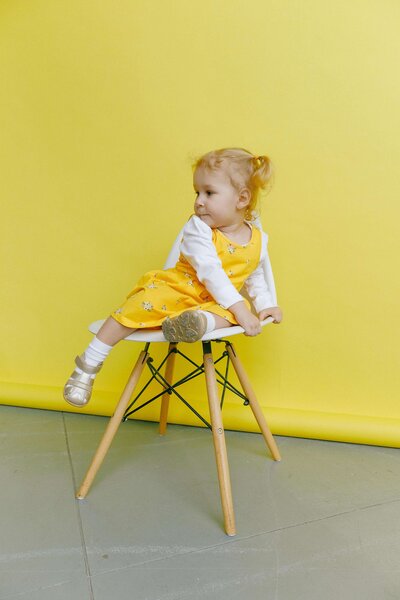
(78, 513)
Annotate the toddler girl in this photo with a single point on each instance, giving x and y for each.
(220, 251)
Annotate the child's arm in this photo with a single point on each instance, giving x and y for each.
(198, 249)
(258, 289)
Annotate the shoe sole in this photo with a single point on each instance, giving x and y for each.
(189, 326)
(69, 388)
(74, 403)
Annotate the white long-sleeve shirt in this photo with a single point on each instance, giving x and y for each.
(198, 249)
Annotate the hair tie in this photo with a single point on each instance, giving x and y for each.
(258, 160)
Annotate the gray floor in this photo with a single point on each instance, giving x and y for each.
(322, 524)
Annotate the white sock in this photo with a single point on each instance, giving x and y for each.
(95, 353)
(210, 320)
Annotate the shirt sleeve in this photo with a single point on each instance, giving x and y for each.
(256, 285)
(198, 249)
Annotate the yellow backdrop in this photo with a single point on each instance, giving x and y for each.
(103, 106)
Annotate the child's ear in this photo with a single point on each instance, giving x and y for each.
(244, 198)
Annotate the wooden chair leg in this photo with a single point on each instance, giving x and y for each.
(113, 425)
(255, 407)
(169, 372)
(219, 441)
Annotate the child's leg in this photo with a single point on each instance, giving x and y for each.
(101, 345)
(191, 325)
(112, 331)
(78, 389)
(220, 322)
(215, 321)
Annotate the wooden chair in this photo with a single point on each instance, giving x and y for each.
(212, 377)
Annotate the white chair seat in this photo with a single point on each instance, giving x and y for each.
(153, 335)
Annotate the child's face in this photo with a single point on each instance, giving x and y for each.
(217, 202)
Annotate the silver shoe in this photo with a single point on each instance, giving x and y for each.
(189, 326)
(78, 389)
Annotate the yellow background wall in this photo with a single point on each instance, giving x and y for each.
(103, 106)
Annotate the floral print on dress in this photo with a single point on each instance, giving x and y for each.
(163, 307)
(152, 285)
(119, 310)
(231, 249)
(147, 305)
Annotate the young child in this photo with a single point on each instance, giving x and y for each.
(221, 250)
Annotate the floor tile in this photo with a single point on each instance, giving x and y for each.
(322, 523)
(77, 589)
(40, 540)
(354, 556)
(155, 496)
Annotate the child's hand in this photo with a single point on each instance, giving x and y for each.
(245, 318)
(275, 312)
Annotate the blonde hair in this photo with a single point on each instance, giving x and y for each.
(243, 170)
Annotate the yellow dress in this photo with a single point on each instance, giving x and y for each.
(167, 293)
